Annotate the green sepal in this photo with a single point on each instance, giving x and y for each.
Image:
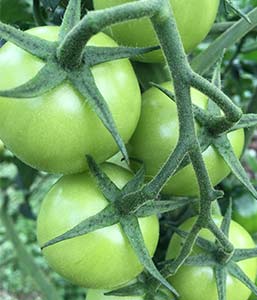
(199, 113)
(223, 146)
(225, 224)
(136, 182)
(107, 217)
(131, 228)
(135, 289)
(34, 45)
(246, 121)
(71, 18)
(107, 187)
(236, 272)
(221, 282)
(204, 139)
(200, 242)
(243, 254)
(165, 91)
(212, 107)
(83, 80)
(49, 77)
(96, 55)
(154, 207)
(201, 260)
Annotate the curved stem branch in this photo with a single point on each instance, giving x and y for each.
(231, 111)
(71, 49)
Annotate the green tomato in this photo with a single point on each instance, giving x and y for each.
(53, 132)
(104, 258)
(156, 137)
(198, 283)
(194, 20)
(245, 210)
(99, 295)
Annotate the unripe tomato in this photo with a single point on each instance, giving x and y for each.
(156, 137)
(245, 210)
(55, 131)
(102, 259)
(194, 20)
(198, 282)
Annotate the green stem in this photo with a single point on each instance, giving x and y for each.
(183, 77)
(231, 111)
(71, 49)
(187, 247)
(221, 27)
(227, 247)
(167, 170)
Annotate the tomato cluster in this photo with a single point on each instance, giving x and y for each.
(205, 275)
(193, 25)
(54, 132)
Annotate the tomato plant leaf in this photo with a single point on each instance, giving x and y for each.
(84, 81)
(107, 187)
(34, 45)
(104, 218)
(131, 228)
(71, 18)
(49, 77)
(97, 55)
(236, 271)
(223, 146)
(221, 281)
(206, 59)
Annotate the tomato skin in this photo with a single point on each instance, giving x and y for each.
(99, 295)
(245, 210)
(198, 283)
(192, 23)
(102, 259)
(53, 132)
(156, 137)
